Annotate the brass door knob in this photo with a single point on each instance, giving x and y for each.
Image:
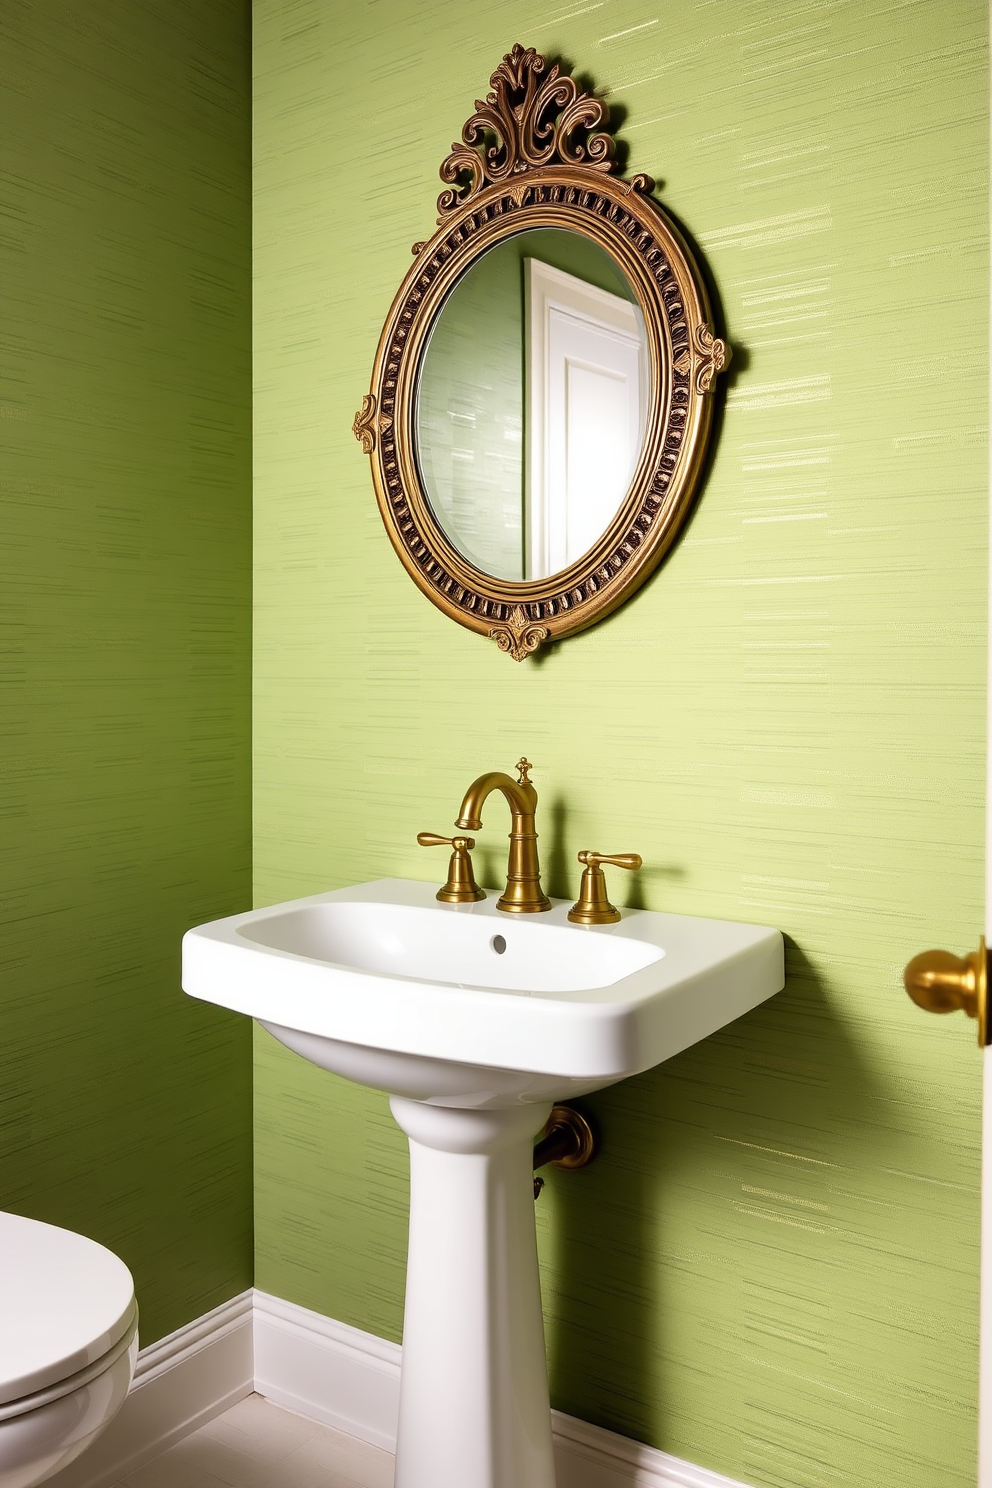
(942, 983)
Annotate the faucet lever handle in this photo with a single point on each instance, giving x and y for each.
(616, 860)
(460, 886)
(593, 906)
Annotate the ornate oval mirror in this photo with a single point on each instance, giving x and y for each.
(542, 390)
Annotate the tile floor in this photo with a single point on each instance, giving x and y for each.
(258, 1445)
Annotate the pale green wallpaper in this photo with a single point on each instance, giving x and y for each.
(125, 1108)
(773, 1268)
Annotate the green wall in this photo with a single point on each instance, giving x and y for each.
(125, 1108)
(773, 1268)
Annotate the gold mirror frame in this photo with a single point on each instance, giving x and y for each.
(536, 154)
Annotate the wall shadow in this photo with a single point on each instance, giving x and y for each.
(561, 872)
(629, 890)
(642, 1251)
(556, 870)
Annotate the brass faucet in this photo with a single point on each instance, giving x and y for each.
(523, 893)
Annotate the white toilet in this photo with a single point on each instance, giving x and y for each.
(68, 1344)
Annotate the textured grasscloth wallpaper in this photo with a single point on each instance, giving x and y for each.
(125, 1108)
(773, 1268)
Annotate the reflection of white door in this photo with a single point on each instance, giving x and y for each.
(586, 404)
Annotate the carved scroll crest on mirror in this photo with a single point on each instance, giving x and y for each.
(536, 161)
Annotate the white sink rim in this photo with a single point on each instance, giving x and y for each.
(712, 972)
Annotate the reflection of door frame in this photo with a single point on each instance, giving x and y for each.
(546, 290)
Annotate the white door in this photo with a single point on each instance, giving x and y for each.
(966, 985)
(985, 1322)
(586, 380)
(942, 982)
(985, 1305)
(985, 1315)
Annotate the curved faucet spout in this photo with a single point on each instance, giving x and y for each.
(520, 804)
(523, 893)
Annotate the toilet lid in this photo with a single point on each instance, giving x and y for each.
(64, 1302)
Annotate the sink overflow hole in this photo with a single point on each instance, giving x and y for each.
(498, 944)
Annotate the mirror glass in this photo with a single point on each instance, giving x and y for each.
(532, 402)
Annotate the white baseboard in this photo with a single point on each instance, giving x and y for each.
(180, 1383)
(343, 1377)
(590, 1457)
(328, 1372)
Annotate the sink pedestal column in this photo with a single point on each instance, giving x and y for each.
(474, 1409)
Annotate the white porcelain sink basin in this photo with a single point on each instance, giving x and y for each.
(466, 1005)
(475, 1020)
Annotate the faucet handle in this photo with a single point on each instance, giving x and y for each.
(460, 887)
(593, 906)
(616, 860)
(523, 768)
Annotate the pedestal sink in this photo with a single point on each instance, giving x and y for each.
(475, 1022)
